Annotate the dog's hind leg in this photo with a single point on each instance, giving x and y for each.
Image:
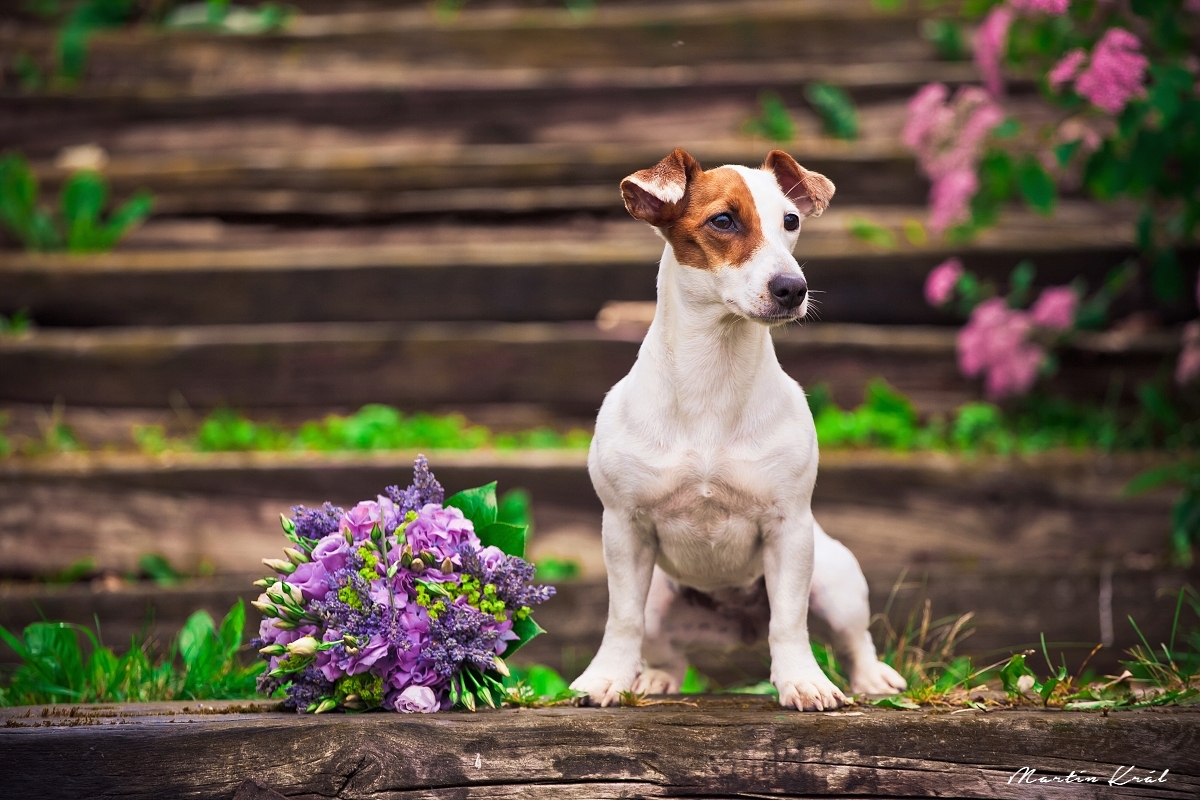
(839, 597)
(664, 662)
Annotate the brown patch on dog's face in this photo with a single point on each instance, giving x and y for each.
(719, 225)
(709, 218)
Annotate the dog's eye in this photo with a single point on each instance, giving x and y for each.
(722, 222)
(791, 222)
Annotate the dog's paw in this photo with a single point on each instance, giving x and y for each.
(604, 687)
(810, 693)
(876, 678)
(655, 681)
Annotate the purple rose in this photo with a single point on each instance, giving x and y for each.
(492, 557)
(419, 699)
(361, 519)
(441, 530)
(389, 514)
(312, 579)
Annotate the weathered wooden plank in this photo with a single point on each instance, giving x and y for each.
(726, 748)
(920, 510)
(1012, 607)
(567, 366)
(312, 52)
(511, 273)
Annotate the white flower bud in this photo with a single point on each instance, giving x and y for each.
(295, 556)
(304, 646)
(279, 565)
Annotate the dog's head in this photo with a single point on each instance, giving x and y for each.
(735, 226)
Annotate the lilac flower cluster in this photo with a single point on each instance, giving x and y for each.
(996, 341)
(387, 604)
(947, 135)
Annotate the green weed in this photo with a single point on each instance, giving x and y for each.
(838, 115)
(78, 224)
(773, 121)
(373, 427)
(18, 323)
(201, 663)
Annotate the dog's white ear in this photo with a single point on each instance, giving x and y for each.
(810, 191)
(655, 195)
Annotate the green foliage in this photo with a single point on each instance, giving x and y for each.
(373, 427)
(79, 225)
(838, 115)
(1038, 423)
(201, 664)
(870, 232)
(220, 16)
(1185, 512)
(78, 570)
(557, 570)
(1036, 186)
(537, 685)
(773, 122)
(1149, 152)
(18, 323)
(947, 38)
(480, 506)
(158, 569)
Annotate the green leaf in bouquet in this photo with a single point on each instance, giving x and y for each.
(509, 538)
(525, 629)
(516, 508)
(477, 505)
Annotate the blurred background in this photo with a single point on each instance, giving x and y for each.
(255, 256)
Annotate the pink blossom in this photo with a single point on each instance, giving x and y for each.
(1016, 374)
(950, 199)
(1192, 6)
(1055, 8)
(927, 111)
(1116, 73)
(1066, 69)
(993, 342)
(947, 139)
(1188, 366)
(939, 285)
(990, 42)
(1055, 308)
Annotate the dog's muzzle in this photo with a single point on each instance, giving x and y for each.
(788, 291)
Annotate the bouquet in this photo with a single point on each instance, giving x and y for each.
(406, 603)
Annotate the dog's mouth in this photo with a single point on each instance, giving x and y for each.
(778, 316)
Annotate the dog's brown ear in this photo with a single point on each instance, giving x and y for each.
(655, 195)
(810, 191)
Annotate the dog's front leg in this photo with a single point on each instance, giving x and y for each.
(629, 555)
(788, 567)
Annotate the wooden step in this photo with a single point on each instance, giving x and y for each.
(1012, 609)
(204, 272)
(896, 511)
(729, 747)
(380, 49)
(440, 176)
(566, 366)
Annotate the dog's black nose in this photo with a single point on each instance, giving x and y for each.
(788, 290)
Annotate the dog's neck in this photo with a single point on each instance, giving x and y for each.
(705, 360)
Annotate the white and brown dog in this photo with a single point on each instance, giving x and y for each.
(705, 454)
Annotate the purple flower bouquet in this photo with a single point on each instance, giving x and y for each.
(404, 603)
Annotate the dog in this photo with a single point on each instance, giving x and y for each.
(705, 454)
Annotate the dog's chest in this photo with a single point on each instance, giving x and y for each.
(707, 509)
